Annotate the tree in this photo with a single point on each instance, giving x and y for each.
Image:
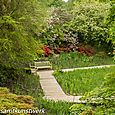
(20, 23)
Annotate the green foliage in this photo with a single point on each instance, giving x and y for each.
(84, 22)
(20, 23)
(57, 3)
(27, 85)
(103, 98)
(80, 109)
(79, 82)
(14, 45)
(88, 22)
(55, 108)
(53, 3)
(75, 59)
(111, 26)
(73, 1)
(13, 101)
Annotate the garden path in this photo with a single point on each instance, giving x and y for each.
(52, 89)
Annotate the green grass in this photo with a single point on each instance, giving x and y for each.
(30, 85)
(55, 108)
(79, 82)
(27, 85)
(75, 59)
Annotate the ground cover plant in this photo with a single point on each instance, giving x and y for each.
(79, 82)
(30, 85)
(55, 108)
(104, 103)
(76, 59)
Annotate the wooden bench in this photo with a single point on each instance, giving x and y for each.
(43, 65)
(39, 65)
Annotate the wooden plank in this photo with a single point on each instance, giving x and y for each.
(44, 67)
(42, 63)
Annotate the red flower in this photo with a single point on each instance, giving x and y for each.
(47, 51)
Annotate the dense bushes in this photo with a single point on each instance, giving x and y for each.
(18, 45)
(111, 26)
(20, 22)
(83, 23)
(13, 101)
(88, 21)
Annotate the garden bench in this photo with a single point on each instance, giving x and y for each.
(43, 65)
(40, 65)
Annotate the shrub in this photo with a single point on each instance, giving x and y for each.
(13, 101)
(83, 23)
(111, 27)
(47, 51)
(88, 21)
(20, 21)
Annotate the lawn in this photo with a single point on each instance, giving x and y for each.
(79, 82)
(75, 59)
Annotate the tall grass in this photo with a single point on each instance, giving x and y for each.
(30, 85)
(55, 108)
(79, 82)
(75, 59)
